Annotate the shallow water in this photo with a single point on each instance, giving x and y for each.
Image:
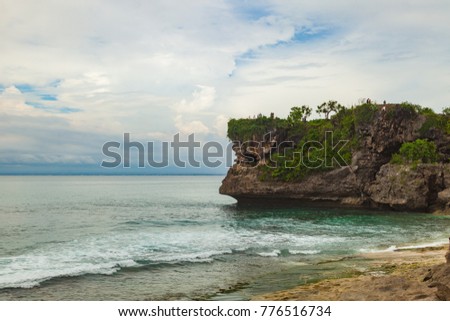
(175, 237)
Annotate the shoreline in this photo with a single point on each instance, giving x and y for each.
(416, 274)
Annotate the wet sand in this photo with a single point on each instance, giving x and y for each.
(406, 275)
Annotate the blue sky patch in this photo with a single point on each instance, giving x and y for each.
(2, 88)
(37, 91)
(244, 58)
(36, 105)
(48, 97)
(62, 110)
(68, 110)
(307, 35)
(25, 88)
(250, 11)
(303, 35)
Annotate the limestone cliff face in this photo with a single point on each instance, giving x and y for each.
(403, 188)
(369, 181)
(395, 187)
(243, 183)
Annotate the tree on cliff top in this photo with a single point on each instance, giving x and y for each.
(299, 114)
(328, 107)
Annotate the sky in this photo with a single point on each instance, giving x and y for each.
(77, 74)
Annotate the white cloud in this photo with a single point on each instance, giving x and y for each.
(220, 125)
(135, 66)
(201, 100)
(190, 127)
(13, 102)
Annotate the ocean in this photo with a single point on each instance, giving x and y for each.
(176, 238)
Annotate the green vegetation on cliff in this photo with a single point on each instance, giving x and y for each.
(246, 129)
(303, 147)
(418, 151)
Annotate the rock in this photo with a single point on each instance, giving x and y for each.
(444, 200)
(444, 196)
(369, 181)
(395, 186)
(404, 188)
(446, 172)
(441, 283)
(439, 278)
(447, 255)
(244, 183)
(443, 292)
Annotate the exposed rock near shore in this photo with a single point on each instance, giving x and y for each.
(413, 275)
(369, 181)
(439, 277)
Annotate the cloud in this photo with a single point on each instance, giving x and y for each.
(190, 127)
(220, 125)
(12, 102)
(201, 99)
(34, 134)
(96, 69)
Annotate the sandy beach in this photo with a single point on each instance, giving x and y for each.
(403, 275)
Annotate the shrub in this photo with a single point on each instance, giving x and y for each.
(245, 128)
(435, 121)
(419, 151)
(364, 114)
(414, 107)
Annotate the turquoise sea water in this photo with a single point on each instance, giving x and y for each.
(176, 238)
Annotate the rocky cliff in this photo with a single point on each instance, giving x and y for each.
(370, 179)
